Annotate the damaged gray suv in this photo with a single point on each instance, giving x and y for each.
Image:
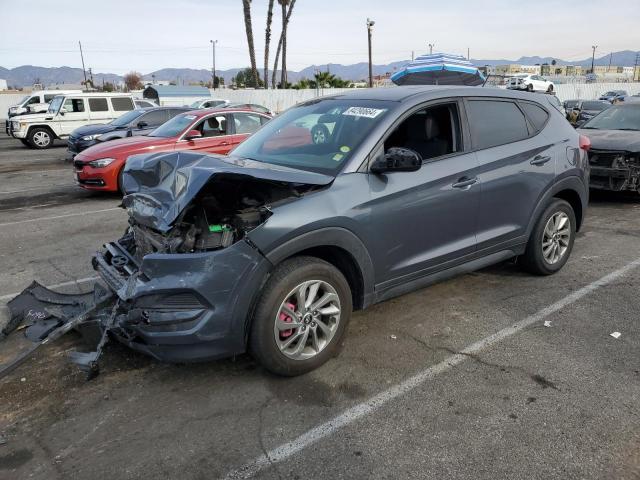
(337, 204)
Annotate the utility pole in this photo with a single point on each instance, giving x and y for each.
(84, 72)
(593, 56)
(412, 55)
(213, 63)
(468, 57)
(635, 66)
(370, 24)
(431, 45)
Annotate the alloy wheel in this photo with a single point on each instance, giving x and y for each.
(41, 139)
(556, 237)
(307, 319)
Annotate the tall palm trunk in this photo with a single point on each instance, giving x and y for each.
(281, 41)
(283, 71)
(267, 41)
(246, 4)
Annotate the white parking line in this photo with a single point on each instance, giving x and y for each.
(356, 412)
(9, 296)
(59, 216)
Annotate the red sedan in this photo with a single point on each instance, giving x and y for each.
(212, 131)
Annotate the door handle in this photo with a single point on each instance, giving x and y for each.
(465, 182)
(540, 160)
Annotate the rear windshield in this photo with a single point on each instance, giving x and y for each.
(595, 106)
(319, 136)
(173, 127)
(616, 118)
(127, 118)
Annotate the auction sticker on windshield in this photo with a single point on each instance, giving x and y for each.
(364, 112)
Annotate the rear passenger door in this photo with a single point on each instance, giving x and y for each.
(99, 110)
(516, 166)
(244, 124)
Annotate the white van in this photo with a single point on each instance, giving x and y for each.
(65, 114)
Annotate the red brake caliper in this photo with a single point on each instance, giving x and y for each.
(286, 318)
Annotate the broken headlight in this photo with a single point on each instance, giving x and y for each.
(91, 137)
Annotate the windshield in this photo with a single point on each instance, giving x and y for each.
(173, 127)
(21, 102)
(616, 118)
(319, 136)
(595, 106)
(127, 118)
(55, 104)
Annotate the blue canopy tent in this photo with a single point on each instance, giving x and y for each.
(439, 69)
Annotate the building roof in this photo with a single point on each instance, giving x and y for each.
(179, 91)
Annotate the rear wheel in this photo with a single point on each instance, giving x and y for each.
(550, 89)
(551, 241)
(40, 138)
(301, 316)
(530, 88)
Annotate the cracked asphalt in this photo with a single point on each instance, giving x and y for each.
(544, 402)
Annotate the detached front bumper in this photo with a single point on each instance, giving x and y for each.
(185, 307)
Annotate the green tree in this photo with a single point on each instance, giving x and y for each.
(244, 79)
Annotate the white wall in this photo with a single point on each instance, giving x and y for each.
(279, 100)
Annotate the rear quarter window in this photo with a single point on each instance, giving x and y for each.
(495, 122)
(122, 104)
(537, 115)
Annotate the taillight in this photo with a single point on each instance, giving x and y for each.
(584, 143)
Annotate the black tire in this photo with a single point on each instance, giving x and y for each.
(550, 89)
(25, 142)
(40, 138)
(530, 87)
(320, 134)
(533, 259)
(120, 185)
(286, 277)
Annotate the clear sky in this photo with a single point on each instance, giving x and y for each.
(145, 35)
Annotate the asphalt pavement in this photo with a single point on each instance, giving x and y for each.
(492, 375)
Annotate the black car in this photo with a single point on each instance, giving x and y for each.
(136, 122)
(611, 95)
(614, 156)
(588, 109)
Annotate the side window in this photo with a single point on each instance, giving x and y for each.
(172, 113)
(246, 122)
(495, 122)
(153, 119)
(48, 98)
(122, 104)
(33, 100)
(537, 115)
(432, 132)
(213, 126)
(98, 105)
(74, 105)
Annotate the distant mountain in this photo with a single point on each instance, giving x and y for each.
(27, 75)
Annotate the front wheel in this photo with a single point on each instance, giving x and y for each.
(40, 138)
(551, 241)
(301, 316)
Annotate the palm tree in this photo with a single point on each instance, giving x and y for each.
(281, 44)
(252, 52)
(267, 41)
(324, 79)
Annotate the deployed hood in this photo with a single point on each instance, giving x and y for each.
(160, 186)
(94, 129)
(627, 140)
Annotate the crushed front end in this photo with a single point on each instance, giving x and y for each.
(615, 170)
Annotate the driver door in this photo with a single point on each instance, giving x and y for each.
(72, 114)
(425, 220)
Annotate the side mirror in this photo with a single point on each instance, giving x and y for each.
(397, 159)
(142, 124)
(62, 111)
(192, 134)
